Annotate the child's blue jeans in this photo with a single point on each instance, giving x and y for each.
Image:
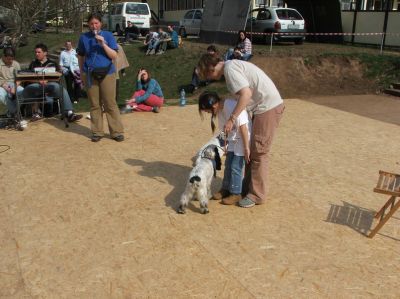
(233, 173)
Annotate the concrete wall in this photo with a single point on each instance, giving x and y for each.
(372, 22)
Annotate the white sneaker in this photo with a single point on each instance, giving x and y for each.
(126, 109)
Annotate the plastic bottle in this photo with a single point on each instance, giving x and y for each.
(182, 100)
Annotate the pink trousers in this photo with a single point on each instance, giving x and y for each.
(152, 101)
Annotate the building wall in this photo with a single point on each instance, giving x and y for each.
(372, 22)
(393, 26)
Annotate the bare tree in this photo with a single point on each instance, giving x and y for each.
(30, 12)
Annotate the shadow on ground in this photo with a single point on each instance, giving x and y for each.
(75, 127)
(357, 218)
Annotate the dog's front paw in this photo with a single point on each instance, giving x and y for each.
(181, 210)
(204, 210)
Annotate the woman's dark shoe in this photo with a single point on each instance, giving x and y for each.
(96, 138)
(119, 138)
(156, 109)
(74, 117)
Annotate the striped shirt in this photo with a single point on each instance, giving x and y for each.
(245, 46)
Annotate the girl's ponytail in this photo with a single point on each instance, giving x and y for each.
(206, 101)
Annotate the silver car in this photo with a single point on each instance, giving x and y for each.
(190, 24)
(283, 21)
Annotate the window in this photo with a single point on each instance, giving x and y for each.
(183, 4)
(190, 4)
(140, 9)
(219, 5)
(198, 4)
(198, 15)
(171, 5)
(294, 15)
(118, 9)
(264, 15)
(189, 15)
(282, 14)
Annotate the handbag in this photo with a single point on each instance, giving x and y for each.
(99, 73)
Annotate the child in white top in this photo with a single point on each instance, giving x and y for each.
(238, 151)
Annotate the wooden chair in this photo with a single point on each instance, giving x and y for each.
(388, 183)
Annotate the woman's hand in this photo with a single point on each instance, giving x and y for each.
(130, 101)
(100, 39)
(140, 73)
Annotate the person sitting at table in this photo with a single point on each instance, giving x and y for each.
(47, 88)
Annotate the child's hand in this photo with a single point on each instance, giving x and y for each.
(247, 155)
(131, 101)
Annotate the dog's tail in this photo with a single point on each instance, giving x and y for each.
(195, 180)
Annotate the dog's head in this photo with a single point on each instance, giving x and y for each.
(211, 152)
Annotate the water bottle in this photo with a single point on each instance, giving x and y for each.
(182, 101)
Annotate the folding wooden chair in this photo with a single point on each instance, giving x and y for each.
(388, 183)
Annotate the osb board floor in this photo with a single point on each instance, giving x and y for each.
(97, 220)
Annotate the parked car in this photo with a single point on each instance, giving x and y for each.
(190, 24)
(136, 12)
(37, 27)
(277, 20)
(56, 21)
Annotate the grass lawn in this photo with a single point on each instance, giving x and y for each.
(174, 68)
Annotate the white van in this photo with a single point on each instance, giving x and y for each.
(136, 12)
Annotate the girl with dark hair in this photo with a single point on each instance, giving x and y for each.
(96, 51)
(238, 151)
(243, 49)
(148, 95)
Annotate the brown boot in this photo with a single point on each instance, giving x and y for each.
(231, 199)
(220, 194)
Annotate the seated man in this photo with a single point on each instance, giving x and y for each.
(174, 42)
(131, 32)
(70, 69)
(164, 39)
(8, 67)
(50, 89)
(152, 41)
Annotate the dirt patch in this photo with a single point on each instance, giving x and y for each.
(98, 220)
(302, 77)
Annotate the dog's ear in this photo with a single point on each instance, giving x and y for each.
(217, 159)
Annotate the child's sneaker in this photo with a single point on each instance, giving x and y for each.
(231, 199)
(221, 194)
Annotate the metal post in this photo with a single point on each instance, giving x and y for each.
(382, 42)
(385, 22)
(272, 38)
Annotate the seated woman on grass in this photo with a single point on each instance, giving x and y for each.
(148, 95)
(242, 50)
